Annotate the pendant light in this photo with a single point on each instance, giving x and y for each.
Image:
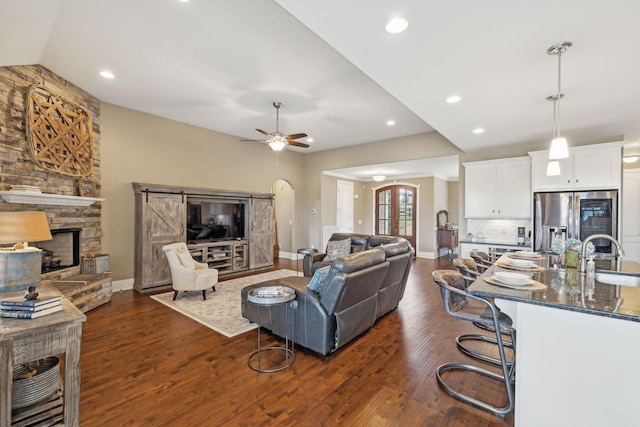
(559, 148)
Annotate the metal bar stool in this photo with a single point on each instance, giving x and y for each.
(464, 306)
(482, 259)
(469, 269)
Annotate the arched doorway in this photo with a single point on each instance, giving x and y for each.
(283, 219)
(395, 211)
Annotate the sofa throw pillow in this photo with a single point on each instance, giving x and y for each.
(319, 279)
(357, 248)
(186, 259)
(337, 249)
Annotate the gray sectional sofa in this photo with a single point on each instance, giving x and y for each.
(359, 288)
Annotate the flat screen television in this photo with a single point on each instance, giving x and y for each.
(210, 220)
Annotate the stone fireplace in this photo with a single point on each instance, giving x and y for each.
(19, 168)
(63, 251)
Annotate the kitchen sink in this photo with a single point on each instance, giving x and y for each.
(618, 279)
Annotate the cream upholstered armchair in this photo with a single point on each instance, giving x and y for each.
(188, 274)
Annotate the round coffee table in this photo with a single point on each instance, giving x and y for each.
(269, 296)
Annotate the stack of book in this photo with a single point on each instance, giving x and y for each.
(29, 309)
(26, 188)
(271, 291)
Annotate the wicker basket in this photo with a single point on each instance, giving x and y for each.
(40, 387)
(95, 264)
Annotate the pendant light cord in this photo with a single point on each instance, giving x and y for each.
(559, 95)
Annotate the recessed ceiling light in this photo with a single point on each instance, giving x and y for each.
(391, 122)
(378, 177)
(478, 131)
(107, 74)
(183, 1)
(396, 25)
(453, 99)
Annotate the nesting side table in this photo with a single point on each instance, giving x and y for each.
(260, 297)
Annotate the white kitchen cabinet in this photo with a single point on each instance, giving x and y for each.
(498, 188)
(589, 167)
(630, 215)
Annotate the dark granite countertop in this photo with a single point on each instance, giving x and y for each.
(568, 289)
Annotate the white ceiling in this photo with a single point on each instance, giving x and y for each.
(445, 168)
(220, 64)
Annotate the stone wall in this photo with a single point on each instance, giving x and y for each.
(17, 166)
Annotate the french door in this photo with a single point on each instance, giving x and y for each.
(395, 212)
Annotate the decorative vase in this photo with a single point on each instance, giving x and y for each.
(571, 258)
(571, 277)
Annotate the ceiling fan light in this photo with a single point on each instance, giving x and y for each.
(553, 168)
(378, 177)
(631, 159)
(277, 144)
(559, 148)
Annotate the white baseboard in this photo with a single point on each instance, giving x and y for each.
(122, 285)
(288, 255)
(426, 255)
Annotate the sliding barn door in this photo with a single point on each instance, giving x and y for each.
(160, 220)
(261, 233)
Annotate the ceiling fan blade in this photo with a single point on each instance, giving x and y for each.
(298, 144)
(254, 140)
(296, 136)
(263, 132)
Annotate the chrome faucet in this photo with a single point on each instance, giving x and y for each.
(619, 251)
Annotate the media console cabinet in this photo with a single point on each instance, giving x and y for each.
(161, 218)
(228, 256)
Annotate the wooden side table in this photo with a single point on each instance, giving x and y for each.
(447, 239)
(24, 340)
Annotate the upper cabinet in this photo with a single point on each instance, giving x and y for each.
(589, 167)
(498, 188)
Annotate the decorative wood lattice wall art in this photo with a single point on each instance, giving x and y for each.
(59, 133)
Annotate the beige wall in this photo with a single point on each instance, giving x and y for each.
(285, 214)
(452, 206)
(138, 147)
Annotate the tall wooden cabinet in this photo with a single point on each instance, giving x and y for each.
(160, 219)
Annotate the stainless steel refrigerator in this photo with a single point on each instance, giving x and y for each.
(575, 215)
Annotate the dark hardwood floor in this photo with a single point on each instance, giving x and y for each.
(144, 364)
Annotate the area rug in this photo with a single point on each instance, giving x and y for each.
(221, 311)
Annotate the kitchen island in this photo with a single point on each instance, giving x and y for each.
(577, 344)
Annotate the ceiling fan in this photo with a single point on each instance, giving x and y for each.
(276, 140)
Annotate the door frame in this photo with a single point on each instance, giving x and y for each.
(416, 215)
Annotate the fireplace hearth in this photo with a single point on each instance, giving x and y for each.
(63, 251)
